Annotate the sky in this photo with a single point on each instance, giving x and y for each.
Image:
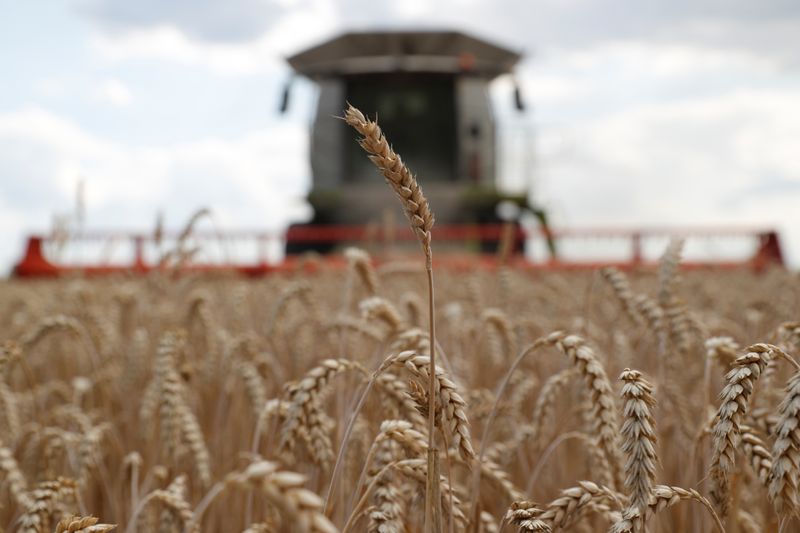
(641, 113)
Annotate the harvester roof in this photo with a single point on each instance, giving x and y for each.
(406, 51)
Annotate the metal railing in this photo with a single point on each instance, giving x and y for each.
(261, 252)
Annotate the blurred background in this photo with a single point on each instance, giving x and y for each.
(113, 113)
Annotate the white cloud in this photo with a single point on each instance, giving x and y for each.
(114, 92)
(49, 88)
(248, 181)
(167, 42)
(666, 60)
(720, 160)
(540, 89)
(212, 20)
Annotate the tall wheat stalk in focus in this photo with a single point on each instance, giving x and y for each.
(418, 212)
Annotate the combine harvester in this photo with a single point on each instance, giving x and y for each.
(430, 93)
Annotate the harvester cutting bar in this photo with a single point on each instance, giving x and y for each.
(457, 246)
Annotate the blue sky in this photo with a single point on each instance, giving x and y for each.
(683, 112)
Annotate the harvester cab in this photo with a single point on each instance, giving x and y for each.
(430, 93)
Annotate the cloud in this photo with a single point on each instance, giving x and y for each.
(248, 181)
(49, 88)
(114, 92)
(642, 58)
(246, 40)
(205, 20)
(167, 42)
(699, 161)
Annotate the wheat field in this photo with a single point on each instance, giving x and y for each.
(653, 400)
(191, 403)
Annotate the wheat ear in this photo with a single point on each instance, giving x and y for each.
(545, 404)
(638, 432)
(572, 503)
(14, 478)
(397, 175)
(453, 406)
(285, 490)
(396, 399)
(383, 310)
(756, 452)
(86, 524)
(488, 523)
(541, 419)
(603, 406)
(733, 406)
(387, 499)
(623, 291)
(260, 527)
(304, 414)
(179, 426)
(253, 385)
(783, 476)
(663, 497)
(668, 271)
(174, 503)
(416, 469)
(43, 502)
(362, 264)
(525, 515)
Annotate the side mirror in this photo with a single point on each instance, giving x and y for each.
(284, 106)
(519, 103)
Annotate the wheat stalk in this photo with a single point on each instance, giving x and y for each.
(417, 210)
